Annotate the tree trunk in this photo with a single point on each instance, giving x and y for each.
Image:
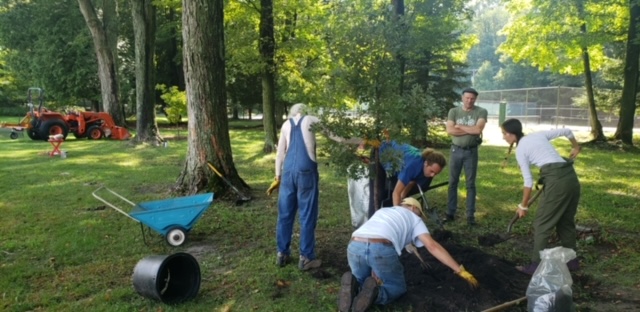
(267, 52)
(401, 59)
(106, 64)
(596, 126)
(144, 29)
(624, 130)
(110, 22)
(208, 126)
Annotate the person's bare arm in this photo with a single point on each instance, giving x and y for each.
(526, 194)
(439, 252)
(408, 189)
(452, 129)
(475, 130)
(398, 191)
(575, 148)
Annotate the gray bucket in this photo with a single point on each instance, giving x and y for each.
(170, 279)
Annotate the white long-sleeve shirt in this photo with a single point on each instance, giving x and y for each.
(536, 149)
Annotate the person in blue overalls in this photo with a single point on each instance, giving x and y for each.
(297, 178)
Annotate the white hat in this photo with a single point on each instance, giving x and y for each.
(413, 202)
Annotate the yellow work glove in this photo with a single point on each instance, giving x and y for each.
(464, 274)
(274, 186)
(373, 143)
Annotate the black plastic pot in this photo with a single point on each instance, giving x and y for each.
(170, 279)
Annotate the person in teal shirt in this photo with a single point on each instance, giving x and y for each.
(404, 166)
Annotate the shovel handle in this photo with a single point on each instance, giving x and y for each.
(214, 169)
(530, 202)
(534, 197)
(513, 220)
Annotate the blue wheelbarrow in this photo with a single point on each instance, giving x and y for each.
(173, 218)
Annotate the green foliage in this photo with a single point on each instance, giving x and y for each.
(48, 45)
(547, 34)
(176, 102)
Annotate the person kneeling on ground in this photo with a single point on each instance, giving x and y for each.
(374, 251)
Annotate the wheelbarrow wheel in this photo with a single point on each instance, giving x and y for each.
(176, 236)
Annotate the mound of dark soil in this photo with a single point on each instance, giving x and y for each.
(439, 289)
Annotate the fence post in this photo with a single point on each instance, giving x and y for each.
(502, 113)
(557, 106)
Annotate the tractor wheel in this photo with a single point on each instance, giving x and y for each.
(32, 134)
(94, 133)
(53, 127)
(176, 236)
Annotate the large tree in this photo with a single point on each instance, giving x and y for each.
(144, 26)
(267, 49)
(208, 129)
(624, 131)
(106, 63)
(567, 37)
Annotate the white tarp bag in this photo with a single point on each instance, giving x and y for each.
(550, 286)
(358, 190)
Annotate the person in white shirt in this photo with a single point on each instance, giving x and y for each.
(376, 275)
(561, 188)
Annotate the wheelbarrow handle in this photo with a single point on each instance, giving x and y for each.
(95, 194)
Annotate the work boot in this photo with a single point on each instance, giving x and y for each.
(367, 295)
(305, 264)
(573, 265)
(528, 269)
(282, 259)
(348, 289)
(448, 218)
(471, 221)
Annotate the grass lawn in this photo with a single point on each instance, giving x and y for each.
(62, 250)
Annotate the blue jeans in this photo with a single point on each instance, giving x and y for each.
(384, 262)
(467, 159)
(298, 193)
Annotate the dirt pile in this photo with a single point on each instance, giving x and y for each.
(439, 289)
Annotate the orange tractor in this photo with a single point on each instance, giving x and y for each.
(40, 123)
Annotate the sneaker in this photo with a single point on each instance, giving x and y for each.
(348, 289)
(367, 296)
(282, 259)
(573, 265)
(306, 264)
(529, 269)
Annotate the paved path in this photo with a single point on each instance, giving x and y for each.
(492, 134)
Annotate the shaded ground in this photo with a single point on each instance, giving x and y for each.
(439, 289)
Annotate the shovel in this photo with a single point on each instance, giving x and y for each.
(493, 239)
(242, 198)
(432, 212)
(413, 250)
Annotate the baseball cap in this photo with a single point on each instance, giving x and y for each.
(413, 202)
(470, 90)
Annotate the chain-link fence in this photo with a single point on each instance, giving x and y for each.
(559, 106)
